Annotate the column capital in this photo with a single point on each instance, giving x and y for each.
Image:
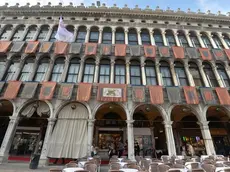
(168, 123)
(129, 121)
(203, 125)
(91, 121)
(143, 64)
(126, 30)
(97, 62)
(13, 118)
(100, 30)
(112, 61)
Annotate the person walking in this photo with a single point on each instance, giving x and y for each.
(136, 149)
(120, 149)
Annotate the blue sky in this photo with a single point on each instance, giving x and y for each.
(194, 5)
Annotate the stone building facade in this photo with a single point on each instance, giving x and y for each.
(157, 77)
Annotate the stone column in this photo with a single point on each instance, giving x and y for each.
(176, 38)
(126, 36)
(49, 33)
(7, 65)
(169, 138)
(24, 33)
(203, 76)
(207, 137)
(34, 70)
(50, 69)
(37, 33)
(100, 36)
(189, 76)
(43, 158)
(143, 71)
(174, 77)
(151, 37)
(87, 34)
(139, 36)
(158, 73)
(200, 39)
(223, 41)
(218, 78)
(227, 68)
(211, 40)
(75, 34)
(131, 154)
(153, 139)
(8, 139)
(164, 38)
(90, 135)
(65, 70)
(81, 70)
(127, 71)
(96, 74)
(187, 35)
(113, 36)
(112, 71)
(12, 32)
(2, 29)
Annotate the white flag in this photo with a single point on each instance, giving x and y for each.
(62, 33)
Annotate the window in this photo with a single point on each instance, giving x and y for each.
(150, 73)
(166, 74)
(107, 36)
(180, 74)
(2, 64)
(210, 75)
(206, 40)
(14, 66)
(170, 38)
(6, 33)
(54, 32)
(18, 34)
(58, 70)
(223, 75)
(194, 71)
(70, 28)
(104, 75)
(120, 72)
(182, 39)
(158, 38)
(30, 34)
(81, 34)
(217, 41)
(145, 37)
(120, 36)
(73, 71)
(42, 69)
(94, 35)
(132, 36)
(194, 40)
(89, 71)
(27, 69)
(43, 33)
(135, 73)
(227, 40)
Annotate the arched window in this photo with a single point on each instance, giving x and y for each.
(43, 33)
(194, 71)
(182, 39)
(42, 69)
(30, 34)
(227, 39)
(70, 28)
(81, 33)
(145, 38)
(14, 66)
(206, 40)
(170, 38)
(27, 69)
(2, 63)
(158, 38)
(6, 33)
(135, 73)
(104, 76)
(58, 69)
(166, 73)
(54, 32)
(120, 36)
(94, 35)
(132, 35)
(210, 75)
(150, 72)
(223, 75)
(89, 71)
(18, 34)
(194, 39)
(180, 74)
(120, 72)
(73, 70)
(107, 36)
(216, 39)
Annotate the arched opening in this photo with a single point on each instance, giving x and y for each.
(94, 35)
(186, 131)
(145, 38)
(54, 32)
(104, 72)
(42, 69)
(170, 38)
(182, 39)
(18, 33)
(195, 72)
(132, 36)
(43, 33)
(107, 35)
(120, 36)
(27, 69)
(216, 39)
(150, 72)
(180, 74)
(58, 69)
(219, 128)
(206, 40)
(88, 74)
(194, 39)
(31, 32)
(73, 71)
(223, 74)
(6, 33)
(120, 72)
(166, 73)
(226, 38)
(158, 37)
(30, 132)
(14, 64)
(149, 131)
(135, 73)
(210, 75)
(81, 33)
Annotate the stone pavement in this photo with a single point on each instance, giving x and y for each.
(24, 167)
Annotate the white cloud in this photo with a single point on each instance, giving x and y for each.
(213, 5)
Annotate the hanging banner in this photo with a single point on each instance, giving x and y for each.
(90, 49)
(120, 50)
(29, 90)
(45, 47)
(192, 53)
(208, 96)
(31, 47)
(150, 51)
(112, 92)
(164, 51)
(75, 48)
(4, 46)
(65, 91)
(191, 95)
(138, 94)
(12, 90)
(47, 90)
(60, 47)
(84, 92)
(17, 46)
(156, 94)
(205, 54)
(174, 94)
(106, 49)
(135, 50)
(227, 52)
(178, 52)
(223, 96)
(218, 54)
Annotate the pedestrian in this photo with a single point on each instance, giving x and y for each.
(120, 149)
(137, 149)
(190, 149)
